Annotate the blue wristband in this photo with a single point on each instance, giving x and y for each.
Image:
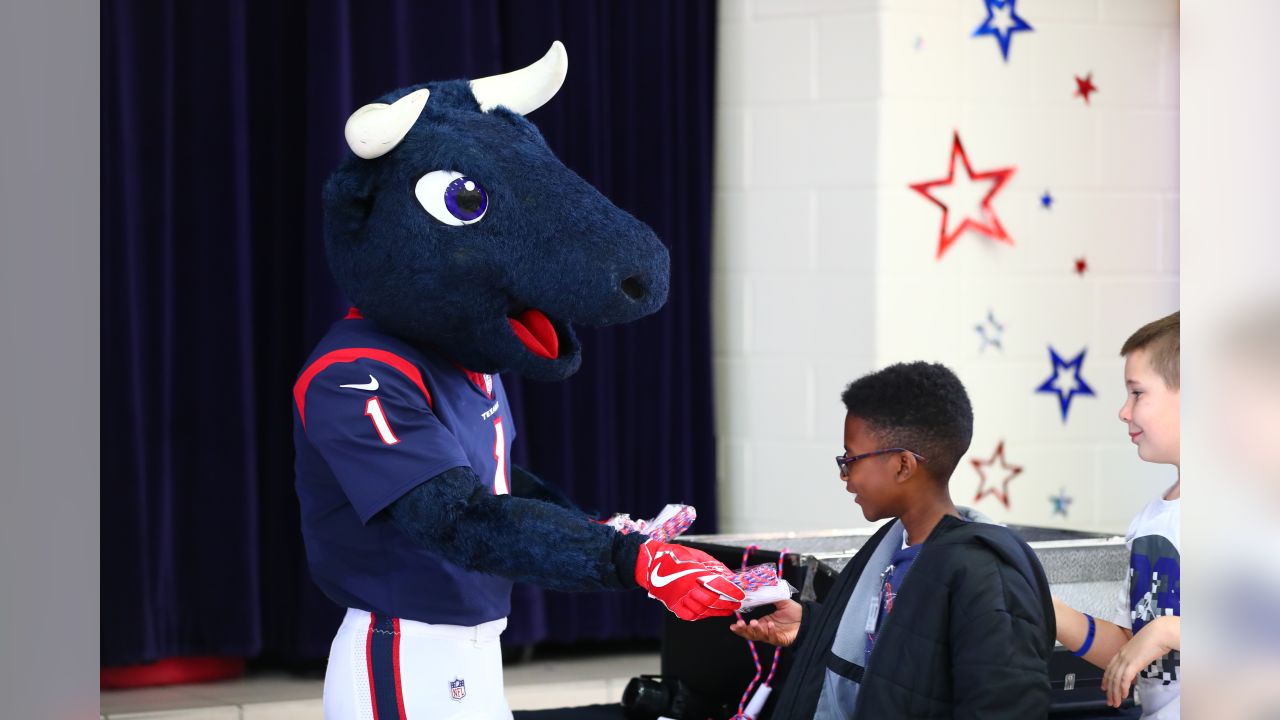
(1088, 638)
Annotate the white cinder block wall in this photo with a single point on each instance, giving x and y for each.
(795, 253)
(824, 258)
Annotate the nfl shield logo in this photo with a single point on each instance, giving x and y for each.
(488, 384)
(458, 688)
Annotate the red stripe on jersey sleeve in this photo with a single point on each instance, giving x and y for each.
(350, 355)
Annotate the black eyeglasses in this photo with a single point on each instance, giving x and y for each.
(844, 461)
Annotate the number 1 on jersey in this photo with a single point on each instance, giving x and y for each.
(500, 486)
(373, 410)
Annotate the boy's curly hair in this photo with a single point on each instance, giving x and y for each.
(1160, 339)
(920, 406)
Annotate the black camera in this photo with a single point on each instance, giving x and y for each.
(649, 697)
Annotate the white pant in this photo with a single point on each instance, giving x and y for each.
(392, 669)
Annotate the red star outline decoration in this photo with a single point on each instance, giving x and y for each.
(1084, 86)
(989, 225)
(1081, 266)
(1002, 492)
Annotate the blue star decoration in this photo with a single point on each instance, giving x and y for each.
(1065, 380)
(1046, 200)
(991, 332)
(1002, 21)
(1060, 502)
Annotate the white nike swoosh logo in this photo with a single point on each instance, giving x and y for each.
(371, 385)
(664, 580)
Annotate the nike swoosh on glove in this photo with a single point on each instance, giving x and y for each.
(691, 583)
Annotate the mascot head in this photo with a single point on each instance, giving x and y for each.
(453, 226)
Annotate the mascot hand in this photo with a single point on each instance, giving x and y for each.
(691, 583)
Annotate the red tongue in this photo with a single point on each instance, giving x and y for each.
(535, 331)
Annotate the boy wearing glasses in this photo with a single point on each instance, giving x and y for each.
(937, 616)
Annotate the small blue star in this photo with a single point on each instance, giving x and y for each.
(1002, 21)
(1046, 200)
(995, 337)
(1060, 377)
(1060, 502)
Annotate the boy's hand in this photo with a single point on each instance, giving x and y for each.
(691, 583)
(1154, 640)
(777, 628)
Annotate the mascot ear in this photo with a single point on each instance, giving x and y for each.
(371, 132)
(348, 201)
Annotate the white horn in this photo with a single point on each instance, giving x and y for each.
(373, 130)
(523, 91)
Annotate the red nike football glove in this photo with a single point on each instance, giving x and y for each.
(691, 583)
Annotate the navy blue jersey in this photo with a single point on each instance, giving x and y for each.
(374, 418)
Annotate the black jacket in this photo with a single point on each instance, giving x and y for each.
(970, 633)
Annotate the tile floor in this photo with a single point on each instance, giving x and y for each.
(534, 685)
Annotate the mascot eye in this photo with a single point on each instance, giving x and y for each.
(451, 197)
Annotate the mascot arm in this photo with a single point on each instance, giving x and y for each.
(525, 484)
(455, 515)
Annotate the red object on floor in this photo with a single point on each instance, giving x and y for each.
(172, 671)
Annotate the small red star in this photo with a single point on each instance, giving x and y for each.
(1002, 492)
(1081, 266)
(1084, 86)
(988, 224)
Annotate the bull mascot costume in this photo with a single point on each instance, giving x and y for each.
(467, 250)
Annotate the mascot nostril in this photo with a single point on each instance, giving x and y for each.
(461, 239)
(634, 288)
